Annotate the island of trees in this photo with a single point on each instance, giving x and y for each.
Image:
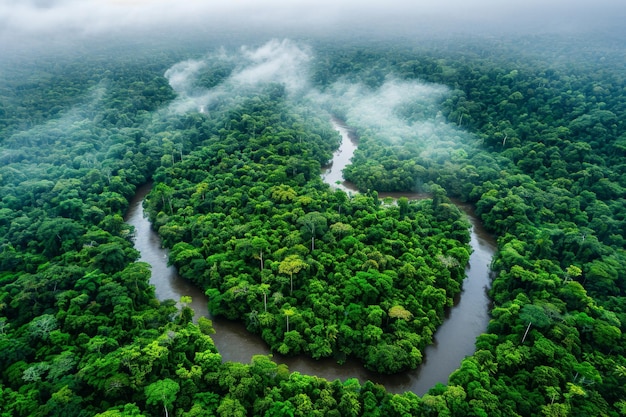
(538, 147)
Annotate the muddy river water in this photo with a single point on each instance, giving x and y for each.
(454, 340)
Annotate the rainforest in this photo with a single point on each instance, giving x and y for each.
(231, 135)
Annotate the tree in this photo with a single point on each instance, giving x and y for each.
(280, 408)
(293, 342)
(403, 205)
(255, 247)
(135, 277)
(264, 288)
(113, 256)
(206, 325)
(572, 272)
(399, 312)
(163, 391)
(64, 402)
(59, 234)
(283, 193)
(605, 336)
(128, 410)
(40, 327)
(438, 196)
(340, 229)
(259, 245)
(314, 224)
(165, 193)
(186, 312)
(231, 407)
(291, 265)
(288, 313)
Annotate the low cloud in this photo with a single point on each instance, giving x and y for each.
(282, 62)
(279, 62)
(396, 111)
(182, 75)
(399, 111)
(385, 107)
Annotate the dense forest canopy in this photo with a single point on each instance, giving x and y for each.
(529, 129)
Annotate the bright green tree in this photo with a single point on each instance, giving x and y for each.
(163, 391)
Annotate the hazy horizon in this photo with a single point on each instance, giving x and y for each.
(37, 23)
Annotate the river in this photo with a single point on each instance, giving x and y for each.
(454, 339)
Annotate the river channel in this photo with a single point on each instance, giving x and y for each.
(454, 339)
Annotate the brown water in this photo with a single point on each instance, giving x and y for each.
(452, 342)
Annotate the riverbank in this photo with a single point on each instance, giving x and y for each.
(452, 342)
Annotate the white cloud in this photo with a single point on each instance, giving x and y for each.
(283, 62)
(396, 111)
(182, 75)
(276, 61)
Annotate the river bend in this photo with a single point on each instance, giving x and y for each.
(454, 339)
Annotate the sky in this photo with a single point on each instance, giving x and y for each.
(39, 20)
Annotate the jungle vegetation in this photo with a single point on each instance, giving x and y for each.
(238, 199)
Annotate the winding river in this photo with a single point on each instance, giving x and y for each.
(454, 339)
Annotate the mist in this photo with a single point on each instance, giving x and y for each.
(281, 62)
(74, 119)
(279, 36)
(394, 112)
(61, 23)
(397, 110)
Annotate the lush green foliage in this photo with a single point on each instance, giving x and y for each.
(552, 188)
(310, 269)
(244, 211)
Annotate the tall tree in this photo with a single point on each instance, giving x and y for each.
(314, 224)
(292, 265)
(164, 392)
